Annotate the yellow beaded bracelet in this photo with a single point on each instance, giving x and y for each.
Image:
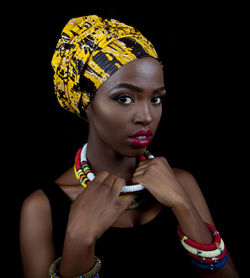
(93, 273)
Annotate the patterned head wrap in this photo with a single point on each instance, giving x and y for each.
(89, 51)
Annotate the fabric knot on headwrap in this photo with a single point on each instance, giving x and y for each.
(89, 51)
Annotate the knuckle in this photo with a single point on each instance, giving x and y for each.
(103, 173)
(152, 167)
(120, 180)
(163, 158)
(159, 161)
(100, 176)
(112, 176)
(104, 186)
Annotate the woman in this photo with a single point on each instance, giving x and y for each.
(121, 219)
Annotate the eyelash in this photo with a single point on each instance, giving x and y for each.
(118, 99)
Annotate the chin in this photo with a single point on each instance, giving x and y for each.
(128, 150)
(134, 152)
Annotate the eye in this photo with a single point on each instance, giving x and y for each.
(124, 99)
(156, 100)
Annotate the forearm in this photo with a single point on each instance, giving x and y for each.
(194, 228)
(191, 222)
(78, 256)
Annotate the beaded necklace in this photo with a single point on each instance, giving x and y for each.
(85, 176)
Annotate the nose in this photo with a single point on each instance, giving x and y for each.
(143, 114)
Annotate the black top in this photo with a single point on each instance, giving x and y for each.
(149, 250)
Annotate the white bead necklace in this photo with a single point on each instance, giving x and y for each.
(126, 188)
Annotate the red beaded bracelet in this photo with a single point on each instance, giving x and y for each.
(201, 246)
(209, 260)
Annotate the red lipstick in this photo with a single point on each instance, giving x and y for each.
(141, 139)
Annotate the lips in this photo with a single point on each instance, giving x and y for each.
(141, 139)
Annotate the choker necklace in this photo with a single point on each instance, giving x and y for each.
(85, 176)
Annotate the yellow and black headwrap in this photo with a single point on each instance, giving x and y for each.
(89, 51)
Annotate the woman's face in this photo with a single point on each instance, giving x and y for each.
(127, 103)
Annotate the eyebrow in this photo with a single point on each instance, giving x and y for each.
(134, 88)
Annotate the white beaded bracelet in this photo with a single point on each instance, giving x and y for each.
(202, 253)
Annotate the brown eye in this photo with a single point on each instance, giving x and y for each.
(156, 100)
(125, 99)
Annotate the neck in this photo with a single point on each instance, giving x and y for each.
(102, 157)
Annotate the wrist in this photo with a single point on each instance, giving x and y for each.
(54, 270)
(82, 237)
(191, 222)
(78, 254)
(182, 205)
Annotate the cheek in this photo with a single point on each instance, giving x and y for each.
(157, 118)
(110, 120)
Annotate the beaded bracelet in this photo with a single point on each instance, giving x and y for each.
(202, 253)
(205, 247)
(210, 250)
(209, 260)
(208, 257)
(93, 273)
(212, 266)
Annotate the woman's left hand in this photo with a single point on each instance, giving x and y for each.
(158, 177)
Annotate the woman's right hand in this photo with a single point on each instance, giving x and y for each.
(98, 206)
(91, 214)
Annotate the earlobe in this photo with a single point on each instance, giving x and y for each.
(87, 113)
(88, 110)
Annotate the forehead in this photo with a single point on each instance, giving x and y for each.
(146, 73)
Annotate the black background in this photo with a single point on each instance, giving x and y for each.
(204, 122)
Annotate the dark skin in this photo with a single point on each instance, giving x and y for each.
(117, 112)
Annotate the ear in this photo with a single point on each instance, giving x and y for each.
(88, 112)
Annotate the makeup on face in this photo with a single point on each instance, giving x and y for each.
(126, 94)
(127, 108)
(141, 138)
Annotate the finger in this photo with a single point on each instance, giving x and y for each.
(110, 180)
(101, 176)
(143, 164)
(118, 185)
(143, 167)
(137, 179)
(139, 172)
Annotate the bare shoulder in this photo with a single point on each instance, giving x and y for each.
(36, 237)
(36, 213)
(187, 180)
(36, 203)
(192, 189)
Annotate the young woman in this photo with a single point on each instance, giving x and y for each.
(115, 213)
